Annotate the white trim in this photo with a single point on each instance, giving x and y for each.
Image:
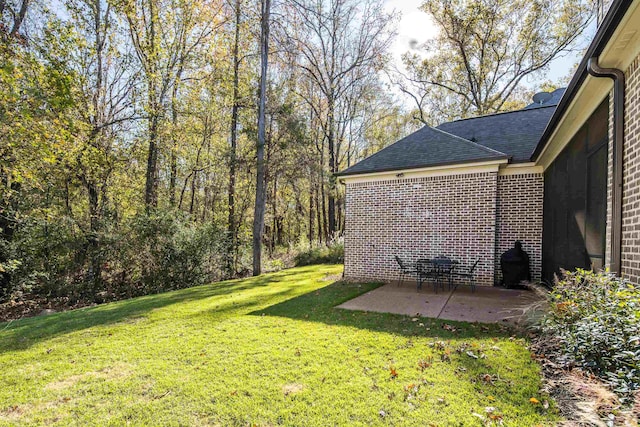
(520, 169)
(447, 170)
(581, 108)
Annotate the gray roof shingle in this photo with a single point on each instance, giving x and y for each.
(515, 133)
(512, 134)
(423, 148)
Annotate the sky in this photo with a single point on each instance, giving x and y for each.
(415, 28)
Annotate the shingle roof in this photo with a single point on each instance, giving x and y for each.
(512, 135)
(426, 147)
(515, 133)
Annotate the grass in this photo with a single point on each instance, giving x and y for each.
(262, 351)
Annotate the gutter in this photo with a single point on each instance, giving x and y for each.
(435, 166)
(618, 139)
(617, 10)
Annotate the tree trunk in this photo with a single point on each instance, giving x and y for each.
(17, 22)
(323, 199)
(311, 219)
(332, 169)
(151, 185)
(274, 212)
(173, 173)
(231, 266)
(153, 105)
(193, 192)
(258, 216)
(93, 238)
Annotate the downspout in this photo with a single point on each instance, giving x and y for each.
(618, 138)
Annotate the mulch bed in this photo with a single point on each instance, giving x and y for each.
(583, 399)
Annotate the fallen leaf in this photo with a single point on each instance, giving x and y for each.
(495, 417)
(394, 373)
(534, 401)
(424, 364)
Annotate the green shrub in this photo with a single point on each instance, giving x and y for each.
(165, 251)
(333, 253)
(596, 319)
(140, 255)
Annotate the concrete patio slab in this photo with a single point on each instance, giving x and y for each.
(486, 304)
(400, 300)
(489, 305)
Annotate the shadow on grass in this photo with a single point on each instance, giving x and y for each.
(24, 333)
(320, 306)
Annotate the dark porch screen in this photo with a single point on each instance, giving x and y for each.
(575, 200)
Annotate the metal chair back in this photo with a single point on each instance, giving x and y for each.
(473, 267)
(400, 263)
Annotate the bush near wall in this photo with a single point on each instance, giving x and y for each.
(333, 253)
(596, 319)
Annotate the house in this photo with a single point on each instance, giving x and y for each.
(561, 175)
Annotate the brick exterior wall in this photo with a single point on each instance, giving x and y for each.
(453, 215)
(519, 217)
(631, 176)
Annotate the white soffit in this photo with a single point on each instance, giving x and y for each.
(446, 170)
(520, 169)
(622, 49)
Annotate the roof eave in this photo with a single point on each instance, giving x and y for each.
(611, 21)
(496, 160)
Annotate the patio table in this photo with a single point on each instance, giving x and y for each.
(437, 268)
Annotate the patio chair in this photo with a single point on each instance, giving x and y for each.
(427, 269)
(444, 269)
(467, 273)
(405, 269)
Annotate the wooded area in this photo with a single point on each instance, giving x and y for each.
(144, 144)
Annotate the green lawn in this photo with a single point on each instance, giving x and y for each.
(263, 351)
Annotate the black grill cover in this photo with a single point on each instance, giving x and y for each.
(514, 264)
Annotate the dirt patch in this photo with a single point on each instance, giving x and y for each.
(332, 278)
(109, 373)
(22, 413)
(292, 388)
(11, 414)
(67, 382)
(133, 320)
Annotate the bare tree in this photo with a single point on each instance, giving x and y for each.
(165, 35)
(107, 78)
(339, 43)
(258, 213)
(233, 142)
(484, 49)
